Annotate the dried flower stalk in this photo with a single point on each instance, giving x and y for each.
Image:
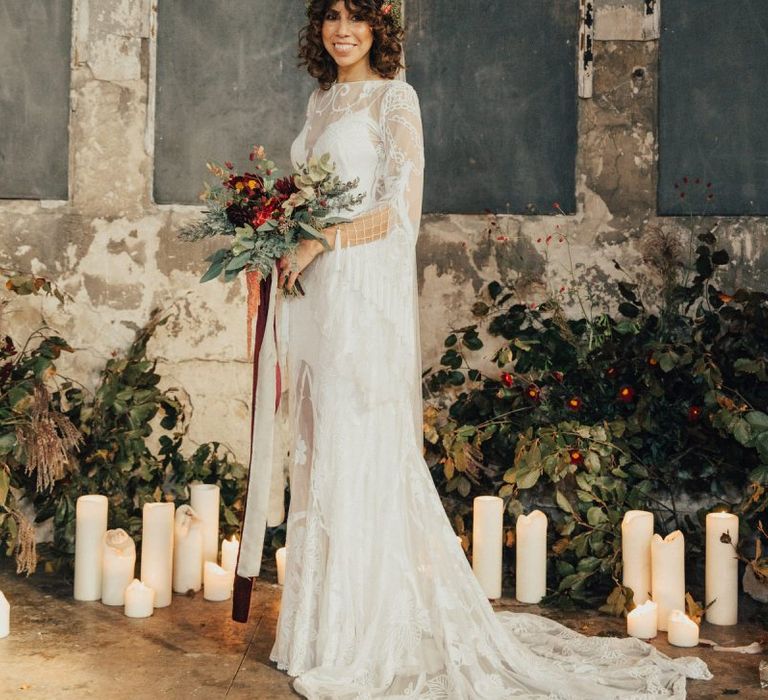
(47, 439)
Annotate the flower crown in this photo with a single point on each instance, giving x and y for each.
(393, 8)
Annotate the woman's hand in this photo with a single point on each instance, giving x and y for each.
(289, 268)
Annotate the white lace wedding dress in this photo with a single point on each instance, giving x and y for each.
(379, 598)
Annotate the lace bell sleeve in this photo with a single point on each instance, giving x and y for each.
(399, 192)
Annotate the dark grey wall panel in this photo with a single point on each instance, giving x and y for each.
(713, 107)
(226, 79)
(498, 90)
(35, 40)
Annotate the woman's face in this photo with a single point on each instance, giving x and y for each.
(346, 36)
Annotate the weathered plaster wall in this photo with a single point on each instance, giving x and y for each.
(114, 251)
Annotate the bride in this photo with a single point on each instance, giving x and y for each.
(379, 599)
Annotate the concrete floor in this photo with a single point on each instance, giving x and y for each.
(59, 648)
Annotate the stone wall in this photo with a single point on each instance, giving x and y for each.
(114, 251)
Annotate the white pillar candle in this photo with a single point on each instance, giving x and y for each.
(157, 551)
(204, 499)
(668, 574)
(636, 534)
(683, 632)
(217, 582)
(187, 551)
(90, 526)
(119, 562)
(139, 599)
(531, 557)
(642, 621)
(487, 543)
(229, 550)
(722, 569)
(5, 616)
(280, 559)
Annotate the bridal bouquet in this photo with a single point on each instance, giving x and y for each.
(264, 216)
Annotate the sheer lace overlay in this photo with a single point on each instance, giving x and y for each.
(379, 598)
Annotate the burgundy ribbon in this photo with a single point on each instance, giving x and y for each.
(241, 596)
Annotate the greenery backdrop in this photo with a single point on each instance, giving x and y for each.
(660, 406)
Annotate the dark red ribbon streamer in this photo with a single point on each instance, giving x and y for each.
(241, 596)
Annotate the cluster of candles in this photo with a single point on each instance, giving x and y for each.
(179, 553)
(654, 568)
(530, 550)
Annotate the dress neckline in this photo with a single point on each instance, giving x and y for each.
(359, 82)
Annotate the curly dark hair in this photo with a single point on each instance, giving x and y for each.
(386, 52)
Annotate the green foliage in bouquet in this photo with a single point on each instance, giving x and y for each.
(58, 442)
(590, 417)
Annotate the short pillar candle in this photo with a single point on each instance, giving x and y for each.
(118, 566)
(217, 582)
(280, 556)
(139, 600)
(682, 631)
(642, 621)
(5, 616)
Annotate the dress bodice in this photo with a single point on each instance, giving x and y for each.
(345, 122)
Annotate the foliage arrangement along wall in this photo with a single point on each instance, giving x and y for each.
(661, 406)
(58, 441)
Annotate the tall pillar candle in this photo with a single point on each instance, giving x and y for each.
(139, 600)
(204, 499)
(642, 621)
(90, 526)
(668, 574)
(5, 616)
(636, 535)
(487, 542)
(187, 551)
(721, 579)
(157, 551)
(119, 563)
(229, 551)
(531, 557)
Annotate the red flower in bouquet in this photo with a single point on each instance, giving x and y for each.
(237, 214)
(285, 187)
(263, 214)
(507, 379)
(577, 457)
